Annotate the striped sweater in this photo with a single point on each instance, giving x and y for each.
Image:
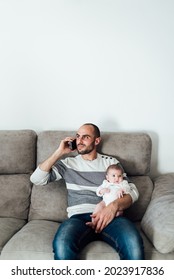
(82, 178)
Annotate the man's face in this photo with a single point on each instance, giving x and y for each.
(86, 140)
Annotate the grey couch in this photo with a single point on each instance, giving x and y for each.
(30, 215)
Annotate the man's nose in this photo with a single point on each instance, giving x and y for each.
(79, 140)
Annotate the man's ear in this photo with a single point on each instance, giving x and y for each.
(97, 140)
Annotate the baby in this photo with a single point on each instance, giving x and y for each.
(113, 187)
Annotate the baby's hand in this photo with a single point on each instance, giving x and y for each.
(121, 193)
(105, 190)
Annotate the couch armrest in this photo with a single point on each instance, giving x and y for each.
(158, 221)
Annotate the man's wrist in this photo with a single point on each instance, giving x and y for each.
(123, 203)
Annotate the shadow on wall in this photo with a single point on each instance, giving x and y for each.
(109, 125)
(154, 159)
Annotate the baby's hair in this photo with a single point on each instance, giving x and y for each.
(116, 167)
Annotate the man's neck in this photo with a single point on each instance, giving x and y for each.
(90, 156)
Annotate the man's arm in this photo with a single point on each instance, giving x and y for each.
(41, 175)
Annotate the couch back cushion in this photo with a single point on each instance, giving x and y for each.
(18, 157)
(49, 202)
(158, 221)
(18, 151)
(133, 150)
(15, 191)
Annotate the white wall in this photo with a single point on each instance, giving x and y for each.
(63, 63)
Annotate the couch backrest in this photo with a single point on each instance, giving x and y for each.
(17, 151)
(132, 149)
(17, 162)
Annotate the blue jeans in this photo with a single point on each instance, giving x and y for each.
(73, 235)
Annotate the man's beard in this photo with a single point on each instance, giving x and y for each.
(87, 150)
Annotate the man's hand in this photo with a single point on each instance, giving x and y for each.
(102, 218)
(63, 149)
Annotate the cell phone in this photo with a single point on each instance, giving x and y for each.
(72, 145)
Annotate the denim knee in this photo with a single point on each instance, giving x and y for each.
(63, 246)
(124, 237)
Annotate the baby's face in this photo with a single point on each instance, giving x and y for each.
(114, 176)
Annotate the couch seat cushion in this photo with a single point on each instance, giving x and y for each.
(32, 242)
(8, 227)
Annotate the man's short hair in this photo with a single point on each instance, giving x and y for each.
(96, 129)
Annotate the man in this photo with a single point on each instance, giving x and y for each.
(83, 174)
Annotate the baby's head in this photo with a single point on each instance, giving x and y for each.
(114, 173)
